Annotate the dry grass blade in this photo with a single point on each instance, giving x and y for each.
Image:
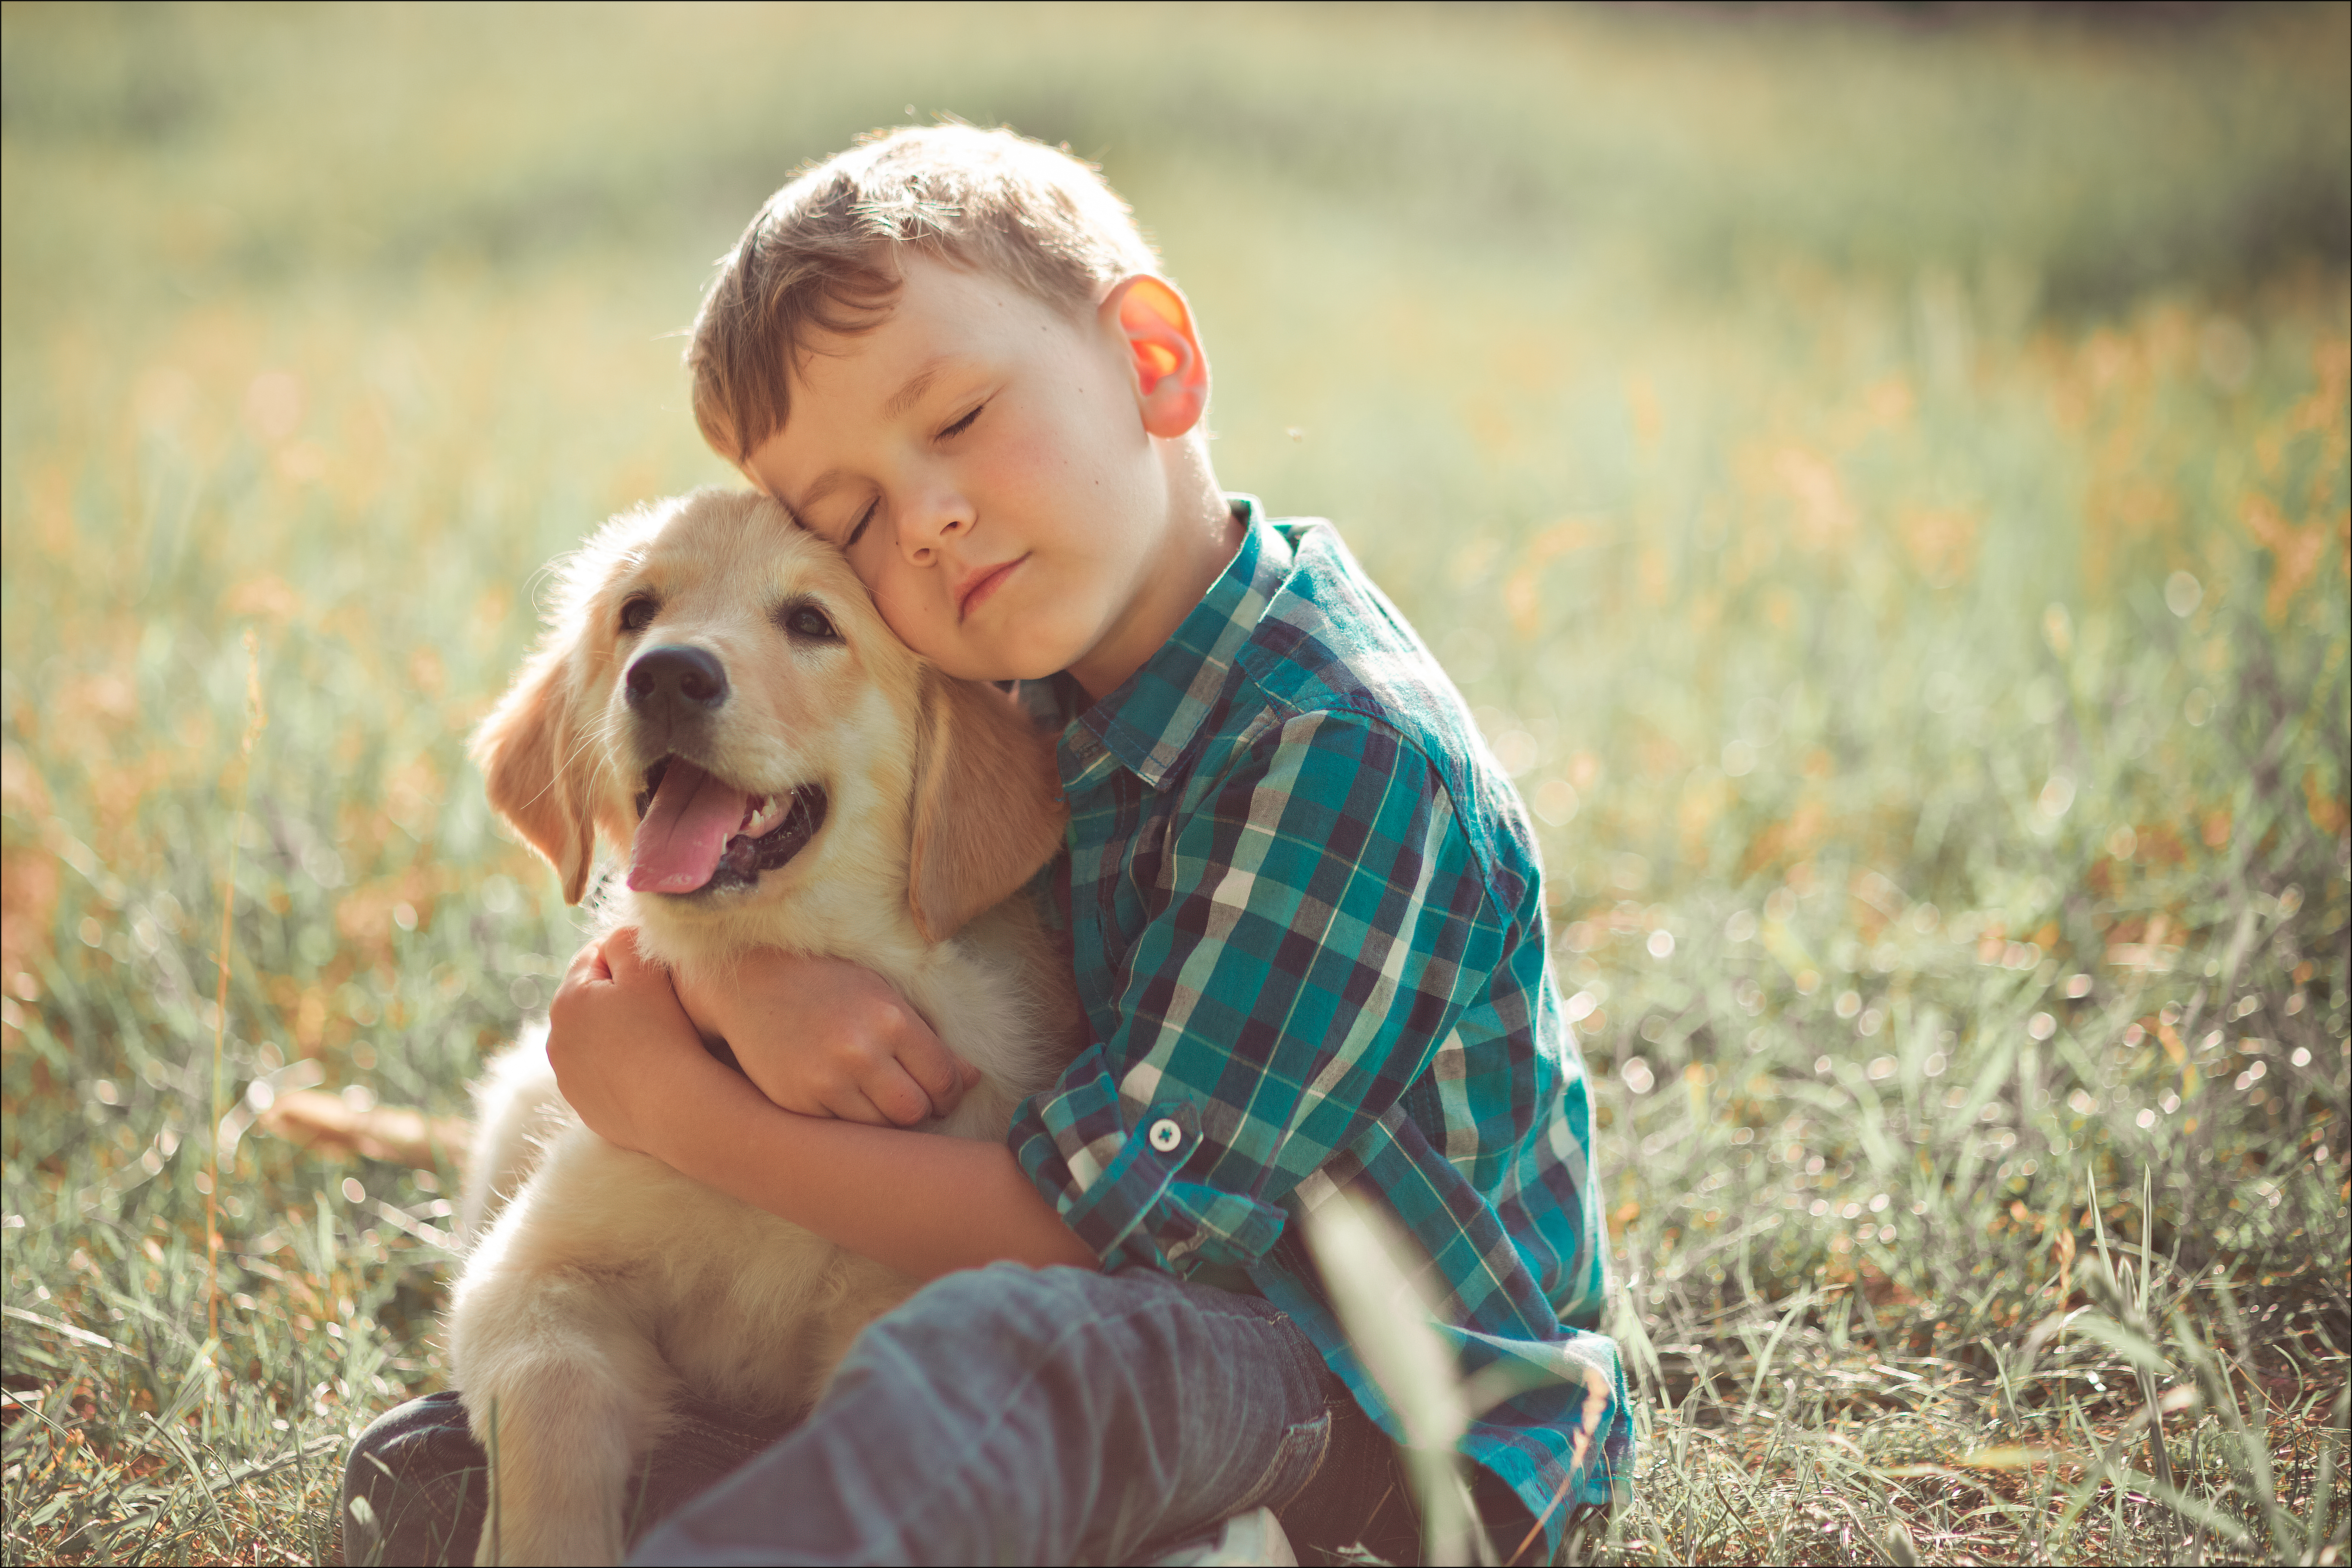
(1374, 1274)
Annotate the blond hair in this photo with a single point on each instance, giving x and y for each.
(822, 255)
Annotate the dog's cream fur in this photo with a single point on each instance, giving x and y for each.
(600, 1282)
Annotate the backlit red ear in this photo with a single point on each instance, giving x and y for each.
(1171, 372)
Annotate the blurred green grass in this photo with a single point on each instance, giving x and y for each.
(1880, 477)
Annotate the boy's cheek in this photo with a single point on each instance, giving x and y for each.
(910, 623)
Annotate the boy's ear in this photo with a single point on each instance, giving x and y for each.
(987, 809)
(1171, 372)
(530, 754)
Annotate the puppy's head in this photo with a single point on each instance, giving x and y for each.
(717, 697)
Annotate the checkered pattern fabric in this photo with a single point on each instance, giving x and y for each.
(1306, 917)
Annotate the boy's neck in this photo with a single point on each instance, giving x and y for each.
(1202, 538)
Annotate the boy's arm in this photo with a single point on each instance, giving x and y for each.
(1323, 924)
(632, 1064)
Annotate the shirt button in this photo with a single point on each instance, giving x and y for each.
(1166, 1135)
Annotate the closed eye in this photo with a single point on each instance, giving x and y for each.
(962, 425)
(863, 518)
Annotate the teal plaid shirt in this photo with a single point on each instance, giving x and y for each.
(1306, 917)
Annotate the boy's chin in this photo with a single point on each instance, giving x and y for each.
(1029, 658)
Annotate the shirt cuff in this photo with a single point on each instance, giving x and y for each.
(1137, 1209)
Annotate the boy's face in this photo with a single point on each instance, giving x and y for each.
(989, 466)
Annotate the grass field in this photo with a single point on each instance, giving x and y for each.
(1882, 480)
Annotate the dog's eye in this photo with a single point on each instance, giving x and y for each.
(808, 621)
(638, 614)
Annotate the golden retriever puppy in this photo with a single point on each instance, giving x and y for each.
(717, 698)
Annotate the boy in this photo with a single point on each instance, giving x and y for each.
(1306, 918)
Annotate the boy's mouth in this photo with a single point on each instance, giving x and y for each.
(977, 587)
(698, 833)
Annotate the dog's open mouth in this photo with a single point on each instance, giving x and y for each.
(698, 834)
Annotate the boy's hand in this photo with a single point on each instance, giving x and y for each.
(824, 1037)
(618, 1039)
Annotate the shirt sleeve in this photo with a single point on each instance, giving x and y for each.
(1319, 922)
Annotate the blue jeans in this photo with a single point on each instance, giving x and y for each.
(1005, 1414)
(1010, 1415)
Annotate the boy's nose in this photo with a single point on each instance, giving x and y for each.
(939, 518)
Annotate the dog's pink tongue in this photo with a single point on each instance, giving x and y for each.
(684, 831)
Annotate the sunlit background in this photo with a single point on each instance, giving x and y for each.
(1878, 474)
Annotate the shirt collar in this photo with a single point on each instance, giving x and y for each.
(1151, 720)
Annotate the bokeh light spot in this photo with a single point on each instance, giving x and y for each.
(2182, 594)
(1556, 802)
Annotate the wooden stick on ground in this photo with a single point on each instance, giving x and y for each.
(325, 1124)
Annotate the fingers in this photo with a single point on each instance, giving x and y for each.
(883, 1096)
(874, 1090)
(620, 953)
(598, 960)
(896, 1094)
(920, 1059)
(589, 963)
(852, 1105)
(929, 1069)
(587, 968)
(824, 1037)
(889, 1059)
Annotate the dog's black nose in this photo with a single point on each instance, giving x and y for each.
(667, 677)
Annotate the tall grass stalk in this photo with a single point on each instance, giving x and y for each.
(257, 719)
(1375, 1273)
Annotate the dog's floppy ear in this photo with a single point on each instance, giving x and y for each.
(988, 809)
(528, 749)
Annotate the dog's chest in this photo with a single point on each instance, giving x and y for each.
(761, 1328)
